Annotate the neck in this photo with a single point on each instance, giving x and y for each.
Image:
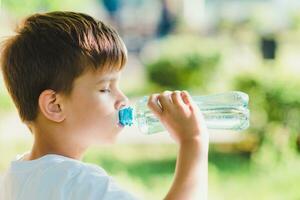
(49, 145)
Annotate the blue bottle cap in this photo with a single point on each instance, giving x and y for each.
(126, 116)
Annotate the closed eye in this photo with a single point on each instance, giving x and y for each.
(105, 90)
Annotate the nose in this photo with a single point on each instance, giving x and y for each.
(122, 101)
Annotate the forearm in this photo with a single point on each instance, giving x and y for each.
(191, 179)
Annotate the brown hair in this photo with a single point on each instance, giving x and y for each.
(50, 50)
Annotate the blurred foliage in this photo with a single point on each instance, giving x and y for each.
(295, 24)
(182, 62)
(31, 6)
(275, 112)
(6, 104)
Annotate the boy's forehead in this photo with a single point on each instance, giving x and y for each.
(108, 78)
(105, 76)
(96, 77)
(108, 75)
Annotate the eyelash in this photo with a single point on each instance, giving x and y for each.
(105, 90)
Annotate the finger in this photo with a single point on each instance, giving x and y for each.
(153, 104)
(184, 96)
(176, 98)
(187, 99)
(165, 100)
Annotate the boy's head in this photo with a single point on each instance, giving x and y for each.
(61, 70)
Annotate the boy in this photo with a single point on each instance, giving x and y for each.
(62, 70)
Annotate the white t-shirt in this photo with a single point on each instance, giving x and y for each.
(55, 177)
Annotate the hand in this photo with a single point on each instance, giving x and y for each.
(180, 116)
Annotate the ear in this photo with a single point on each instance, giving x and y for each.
(50, 105)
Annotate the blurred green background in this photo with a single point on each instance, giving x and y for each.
(204, 47)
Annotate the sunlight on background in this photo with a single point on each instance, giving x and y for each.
(247, 45)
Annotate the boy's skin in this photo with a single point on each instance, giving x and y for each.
(69, 125)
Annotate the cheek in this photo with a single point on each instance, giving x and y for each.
(100, 111)
(102, 106)
(98, 119)
(91, 108)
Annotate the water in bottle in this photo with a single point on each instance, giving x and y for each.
(225, 111)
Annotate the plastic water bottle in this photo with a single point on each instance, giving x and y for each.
(225, 111)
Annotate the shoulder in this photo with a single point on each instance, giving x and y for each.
(74, 170)
(92, 182)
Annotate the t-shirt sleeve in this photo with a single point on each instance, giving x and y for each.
(93, 185)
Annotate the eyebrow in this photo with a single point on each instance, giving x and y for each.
(103, 80)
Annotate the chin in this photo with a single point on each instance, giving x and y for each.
(105, 141)
(111, 139)
(110, 142)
